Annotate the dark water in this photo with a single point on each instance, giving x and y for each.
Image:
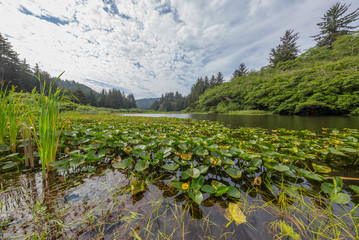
(312, 123)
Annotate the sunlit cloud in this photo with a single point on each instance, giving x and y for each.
(151, 47)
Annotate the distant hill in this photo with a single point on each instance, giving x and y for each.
(72, 85)
(146, 103)
(321, 81)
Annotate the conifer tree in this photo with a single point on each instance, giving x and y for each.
(286, 50)
(335, 24)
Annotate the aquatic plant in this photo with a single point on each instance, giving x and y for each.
(47, 122)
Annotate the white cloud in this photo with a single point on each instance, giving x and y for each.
(154, 46)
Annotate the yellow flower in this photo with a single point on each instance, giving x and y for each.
(185, 186)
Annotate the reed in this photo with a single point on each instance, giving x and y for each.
(3, 113)
(49, 123)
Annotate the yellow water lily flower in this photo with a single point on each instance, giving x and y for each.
(185, 186)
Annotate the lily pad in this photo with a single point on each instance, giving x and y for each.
(123, 163)
(234, 172)
(141, 165)
(341, 198)
(234, 213)
(9, 165)
(208, 189)
(354, 188)
(256, 162)
(171, 166)
(193, 173)
(196, 196)
(233, 192)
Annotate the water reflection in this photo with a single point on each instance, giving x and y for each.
(312, 123)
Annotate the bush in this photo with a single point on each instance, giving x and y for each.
(314, 108)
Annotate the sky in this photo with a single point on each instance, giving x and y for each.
(150, 47)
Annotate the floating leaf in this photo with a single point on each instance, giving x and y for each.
(328, 188)
(234, 213)
(123, 163)
(140, 147)
(4, 148)
(215, 184)
(186, 156)
(256, 162)
(9, 165)
(144, 155)
(58, 163)
(202, 169)
(196, 196)
(340, 198)
(280, 167)
(335, 151)
(197, 183)
(171, 166)
(234, 172)
(321, 168)
(184, 175)
(141, 165)
(137, 187)
(221, 190)
(310, 175)
(208, 189)
(193, 173)
(233, 192)
(354, 188)
(12, 155)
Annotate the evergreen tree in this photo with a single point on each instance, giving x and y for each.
(9, 64)
(242, 70)
(335, 24)
(286, 50)
(219, 79)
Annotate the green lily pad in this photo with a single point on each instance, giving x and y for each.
(233, 192)
(310, 175)
(141, 165)
(196, 196)
(197, 183)
(193, 173)
(328, 188)
(4, 148)
(255, 163)
(124, 163)
(280, 167)
(12, 155)
(208, 189)
(354, 188)
(341, 198)
(336, 152)
(215, 184)
(234, 172)
(144, 155)
(171, 166)
(202, 168)
(221, 190)
(58, 163)
(9, 165)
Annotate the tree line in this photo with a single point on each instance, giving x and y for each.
(16, 72)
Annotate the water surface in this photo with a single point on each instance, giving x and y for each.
(312, 123)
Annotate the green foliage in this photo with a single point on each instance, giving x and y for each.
(320, 81)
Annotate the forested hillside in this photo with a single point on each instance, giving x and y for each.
(321, 81)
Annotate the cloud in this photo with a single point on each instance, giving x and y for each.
(155, 46)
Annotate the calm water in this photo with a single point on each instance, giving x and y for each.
(272, 121)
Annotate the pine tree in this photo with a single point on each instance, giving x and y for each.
(335, 24)
(286, 50)
(242, 70)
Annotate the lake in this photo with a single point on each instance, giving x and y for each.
(312, 123)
